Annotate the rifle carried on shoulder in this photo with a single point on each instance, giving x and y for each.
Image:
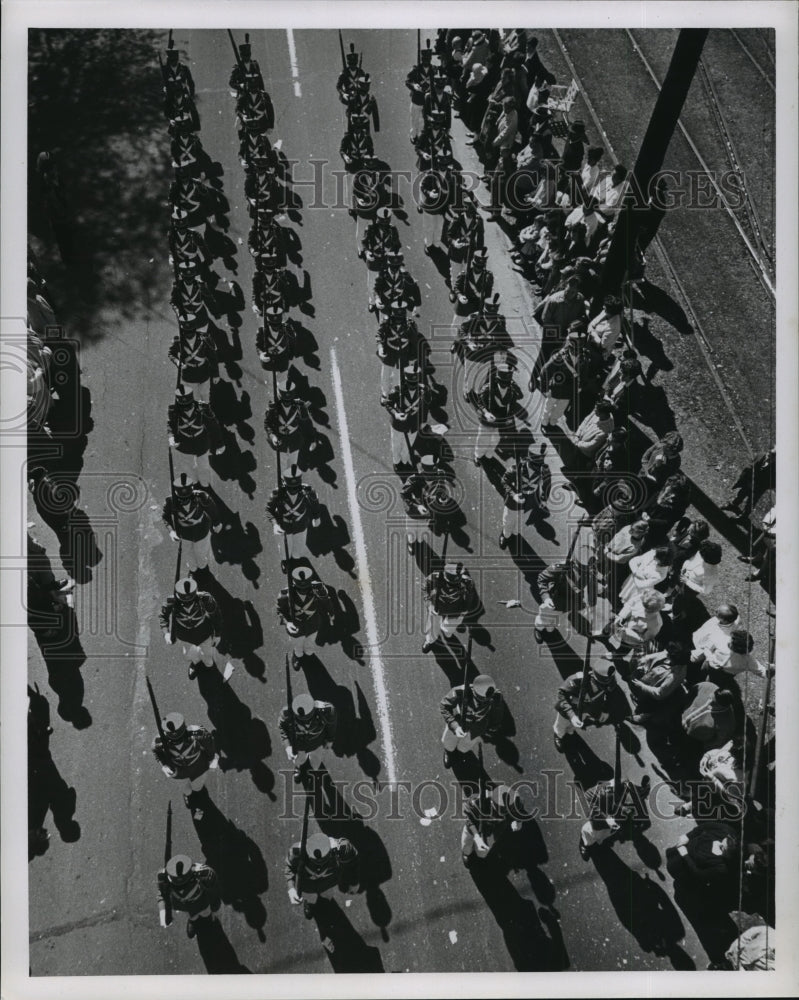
(303, 846)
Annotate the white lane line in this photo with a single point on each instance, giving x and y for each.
(295, 73)
(364, 578)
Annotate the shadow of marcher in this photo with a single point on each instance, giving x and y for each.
(346, 625)
(78, 546)
(307, 347)
(232, 410)
(528, 942)
(63, 656)
(319, 459)
(588, 768)
(346, 950)
(241, 738)
(650, 298)
(47, 789)
(312, 395)
(221, 247)
(216, 950)
(364, 735)
(235, 465)
(242, 633)
(236, 543)
(238, 863)
(332, 538)
(227, 302)
(643, 908)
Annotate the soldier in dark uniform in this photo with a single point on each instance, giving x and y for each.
(408, 405)
(439, 100)
(380, 238)
(615, 813)
(429, 501)
(394, 284)
(193, 619)
(288, 424)
(463, 234)
(186, 753)
(356, 146)
(193, 432)
(255, 113)
(477, 715)
(261, 188)
(276, 340)
(450, 595)
(435, 195)
(350, 75)
(191, 201)
(270, 284)
(526, 486)
(490, 817)
(398, 342)
(246, 76)
(187, 251)
(474, 284)
(292, 508)
(304, 609)
(267, 239)
(360, 102)
(191, 298)
(256, 150)
(418, 83)
(498, 402)
(188, 886)
(371, 189)
(479, 338)
(181, 113)
(187, 154)
(55, 501)
(328, 862)
(434, 146)
(192, 516)
(309, 726)
(558, 593)
(177, 75)
(193, 353)
(604, 702)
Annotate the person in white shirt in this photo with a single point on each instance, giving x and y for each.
(589, 175)
(609, 189)
(605, 329)
(739, 659)
(700, 573)
(586, 214)
(712, 640)
(647, 570)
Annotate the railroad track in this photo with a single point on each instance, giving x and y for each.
(766, 76)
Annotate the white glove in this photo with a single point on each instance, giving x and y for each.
(168, 638)
(290, 754)
(292, 629)
(459, 732)
(294, 896)
(576, 721)
(162, 918)
(516, 826)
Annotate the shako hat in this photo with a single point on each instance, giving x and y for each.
(274, 315)
(302, 577)
(178, 868)
(303, 704)
(184, 395)
(318, 846)
(484, 686)
(185, 588)
(183, 485)
(174, 726)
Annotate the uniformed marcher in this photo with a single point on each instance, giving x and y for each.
(309, 726)
(435, 195)
(481, 717)
(526, 486)
(407, 405)
(418, 83)
(474, 284)
(429, 502)
(304, 609)
(177, 75)
(450, 595)
(380, 239)
(191, 298)
(398, 344)
(371, 189)
(194, 431)
(246, 75)
(350, 75)
(186, 753)
(187, 251)
(181, 112)
(329, 862)
(480, 336)
(490, 817)
(463, 234)
(193, 353)
(498, 402)
(558, 594)
(188, 886)
(262, 189)
(292, 508)
(192, 516)
(267, 239)
(604, 702)
(288, 424)
(393, 284)
(55, 499)
(255, 114)
(191, 201)
(438, 100)
(357, 146)
(270, 283)
(276, 341)
(191, 617)
(615, 813)
(434, 146)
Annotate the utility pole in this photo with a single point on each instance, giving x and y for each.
(651, 155)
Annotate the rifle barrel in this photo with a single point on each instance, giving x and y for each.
(303, 845)
(156, 713)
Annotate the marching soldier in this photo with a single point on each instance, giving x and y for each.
(558, 592)
(261, 188)
(603, 700)
(186, 753)
(255, 113)
(291, 508)
(394, 284)
(471, 713)
(276, 340)
(191, 296)
(435, 192)
(270, 283)
(55, 500)
(246, 77)
(288, 424)
(187, 251)
(187, 153)
(356, 146)
(408, 405)
(526, 486)
(255, 150)
(192, 516)
(479, 338)
(266, 239)
(438, 100)
(193, 352)
(498, 404)
(360, 102)
(304, 728)
(434, 146)
(489, 819)
(615, 812)
(192, 617)
(380, 238)
(350, 75)
(193, 432)
(371, 189)
(304, 607)
(177, 75)
(418, 83)
(181, 112)
(398, 342)
(188, 886)
(328, 862)
(463, 234)
(190, 200)
(428, 499)
(473, 285)
(451, 595)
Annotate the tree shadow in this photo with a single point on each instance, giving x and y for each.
(216, 950)
(350, 953)
(643, 908)
(241, 738)
(238, 863)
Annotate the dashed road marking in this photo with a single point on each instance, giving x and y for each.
(295, 73)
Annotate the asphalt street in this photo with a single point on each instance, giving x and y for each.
(93, 900)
